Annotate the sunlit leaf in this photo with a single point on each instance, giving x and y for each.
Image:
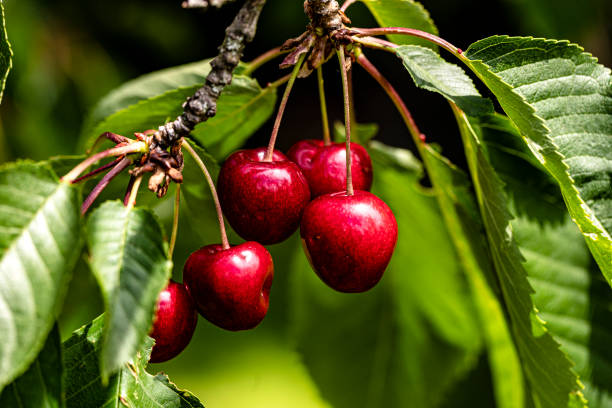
(560, 99)
(131, 386)
(129, 260)
(40, 241)
(547, 370)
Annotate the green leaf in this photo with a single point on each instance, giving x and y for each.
(129, 260)
(360, 132)
(561, 101)
(570, 294)
(403, 13)
(40, 240)
(460, 212)
(407, 341)
(6, 54)
(154, 99)
(429, 71)
(41, 385)
(547, 370)
(534, 193)
(132, 386)
(572, 299)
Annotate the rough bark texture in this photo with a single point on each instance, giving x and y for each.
(324, 14)
(205, 3)
(203, 104)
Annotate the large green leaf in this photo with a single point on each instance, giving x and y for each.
(41, 385)
(573, 299)
(570, 294)
(407, 341)
(402, 13)
(548, 371)
(6, 54)
(460, 212)
(154, 99)
(128, 258)
(431, 72)
(561, 101)
(40, 239)
(132, 386)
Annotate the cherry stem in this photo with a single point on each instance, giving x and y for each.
(135, 147)
(349, 79)
(99, 170)
(281, 109)
(175, 220)
(128, 190)
(347, 121)
(113, 137)
(411, 32)
(261, 60)
(279, 82)
(346, 5)
(417, 136)
(377, 43)
(323, 104)
(119, 167)
(213, 192)
(134, 192)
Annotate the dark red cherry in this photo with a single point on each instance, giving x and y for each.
(262, 201)
(174, 324)
(349, 240)
(325, 166)
(231, 287)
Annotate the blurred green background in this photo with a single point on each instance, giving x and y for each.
(68, 54)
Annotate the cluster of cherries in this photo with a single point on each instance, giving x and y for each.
(348, 237)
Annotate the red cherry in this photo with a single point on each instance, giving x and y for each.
(349, 240)
(325, 166)
(230, 287)
(175, 322)
(262, 201)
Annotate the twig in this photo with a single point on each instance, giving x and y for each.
(205, 3)
(203, 104)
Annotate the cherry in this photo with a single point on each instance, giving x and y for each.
(325, 165)
(262, 200)
(349, 239)
(231, 287)
(174, 324)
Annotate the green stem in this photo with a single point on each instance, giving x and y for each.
(347, 121)
(132, 201)
(261, 60)
(213, 192)
(281, 108)
(175, 220)
(323, 104)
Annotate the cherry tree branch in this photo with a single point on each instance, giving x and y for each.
(205, 3)
(203, 104)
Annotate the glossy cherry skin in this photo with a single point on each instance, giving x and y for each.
(231, 287)
(262, 201)
(174, 324)
(349, 240)
(325, 166)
